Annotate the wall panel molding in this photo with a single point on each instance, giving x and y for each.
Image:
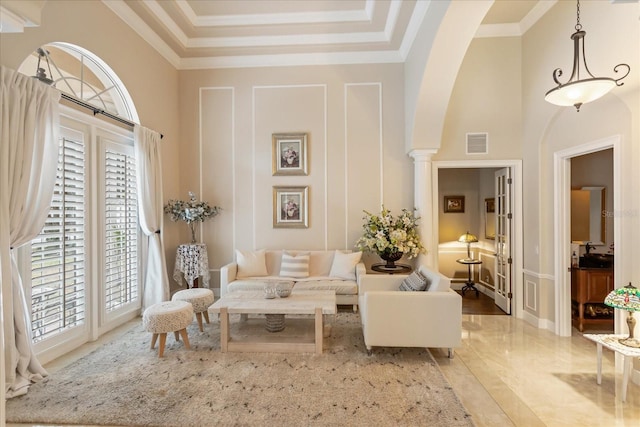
(357, 155)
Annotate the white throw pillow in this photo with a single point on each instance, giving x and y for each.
(251, 263)
(296, 266)
(344, 265)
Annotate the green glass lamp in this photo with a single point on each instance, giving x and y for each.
(626, 298)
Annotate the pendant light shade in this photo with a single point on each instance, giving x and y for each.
(578, 91)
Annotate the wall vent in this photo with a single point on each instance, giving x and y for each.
(478, 143)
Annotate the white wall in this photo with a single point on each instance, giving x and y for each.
(354, 119)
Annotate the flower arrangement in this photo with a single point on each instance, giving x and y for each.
(191, 212)
(389, 236)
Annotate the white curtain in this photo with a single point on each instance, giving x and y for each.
(149, 182)
(29, 128)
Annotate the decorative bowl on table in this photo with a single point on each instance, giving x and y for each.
(270, 290)
(283, 289)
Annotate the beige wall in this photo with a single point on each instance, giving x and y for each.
(218, 125)
(486, 98)
(548, 129)
(356, 159)
(151, 81)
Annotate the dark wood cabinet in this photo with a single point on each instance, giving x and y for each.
(589, 287)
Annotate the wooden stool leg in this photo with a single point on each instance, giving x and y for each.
(206, 315)
(154, 338)
(163, 340)
(199, 317)
(185, 338)
(175, 333)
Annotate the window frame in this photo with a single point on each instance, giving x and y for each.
(98, 134)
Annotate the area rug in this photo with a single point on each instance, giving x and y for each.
(124, 383)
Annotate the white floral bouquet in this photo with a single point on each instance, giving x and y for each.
(387, 235)
(191, 212)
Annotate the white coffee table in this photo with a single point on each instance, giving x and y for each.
(315, 303)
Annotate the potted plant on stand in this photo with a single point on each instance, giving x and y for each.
(391, 237)
(191, 212)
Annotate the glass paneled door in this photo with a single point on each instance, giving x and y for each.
(503, 186)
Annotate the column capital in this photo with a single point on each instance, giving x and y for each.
(422, 154)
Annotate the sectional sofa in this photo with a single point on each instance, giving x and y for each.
(334, 270)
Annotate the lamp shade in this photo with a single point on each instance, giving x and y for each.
(580, 92)
(468, 238)
(626, 298)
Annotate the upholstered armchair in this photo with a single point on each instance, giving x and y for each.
(394, 318)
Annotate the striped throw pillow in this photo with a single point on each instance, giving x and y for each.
(295, 266)
(414, 282)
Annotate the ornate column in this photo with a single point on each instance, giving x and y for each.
(423, 200)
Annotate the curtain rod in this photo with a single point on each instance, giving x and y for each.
(99, 111)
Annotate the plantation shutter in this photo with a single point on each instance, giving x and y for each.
(121, 230)
(58, 252)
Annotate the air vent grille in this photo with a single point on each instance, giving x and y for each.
(478, 143)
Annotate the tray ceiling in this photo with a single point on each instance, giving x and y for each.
(240, 33)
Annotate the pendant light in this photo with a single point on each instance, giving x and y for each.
(578, 91)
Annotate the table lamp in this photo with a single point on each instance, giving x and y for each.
(468, 239)
(627, 298)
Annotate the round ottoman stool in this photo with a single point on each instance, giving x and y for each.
(168, 316)
(200, 299)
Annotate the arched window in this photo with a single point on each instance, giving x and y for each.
(82, 270)
(83, 76)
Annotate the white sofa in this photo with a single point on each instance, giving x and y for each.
(327, 271)
(394, 318)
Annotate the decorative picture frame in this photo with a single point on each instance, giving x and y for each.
(290, 207)
(490, 204)
(453, 204)
(289, 153)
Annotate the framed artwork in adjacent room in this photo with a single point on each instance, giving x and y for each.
(290, 207)
(289, 153)
(453, 204)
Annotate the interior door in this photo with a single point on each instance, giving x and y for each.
(503, 239)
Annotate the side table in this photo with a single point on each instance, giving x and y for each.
(469, 285)
(610, 341)
(192, 261)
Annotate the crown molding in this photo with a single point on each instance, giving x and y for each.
(289, 60)
(332, 17)
(124, 12)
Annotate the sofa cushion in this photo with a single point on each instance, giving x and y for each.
(341, 287)
(295, 266)
(320, 263)
(414, 282)
(251, 263)
(344, 265)
(250, 284)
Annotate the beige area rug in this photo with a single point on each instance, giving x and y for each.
(124, 383)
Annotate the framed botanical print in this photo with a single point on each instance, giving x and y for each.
(290, 207)
(289, 153)
(453, 204)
